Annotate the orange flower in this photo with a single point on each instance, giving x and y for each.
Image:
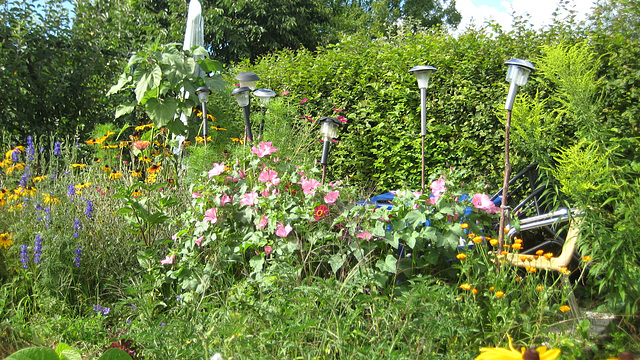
(586, 258)
(548, 255)
(461, 256)
(154, 168)
(464, 225)
(492, 288)
(499, 294)
(531, 269)
(540, 287)
(141, 145)
(517, 246)
(565, 271)
(477, 239)
(539, 252)
(493, 242)
(564, 308)
(465, 287)
(474, 291)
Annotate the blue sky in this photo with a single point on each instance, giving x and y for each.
(540, 11)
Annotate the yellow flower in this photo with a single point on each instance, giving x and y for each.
(512, 354)
(48, 199)
(237, 140)
(465, 287)
(464, 225)
(199, 140)
(517, 246)
(517, 241)
(531, 269)
(493, 242)
(145, 159)
(586, 258)
(5, 240)
(142, 127)
(461, 256)
(39, 178)
(499, 294)
(82, 186)
(78, 165)
(540, 287)
(136, 173)
(9, 153)
(154, 168)
(474, 291)
(136, 194)
(477, 239)
(218, 128)
(492, 288)
(564, 308)
(565, 271)
(115, 175)
(548, 255)
(539, 252)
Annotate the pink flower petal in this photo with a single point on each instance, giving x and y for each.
(168, 260)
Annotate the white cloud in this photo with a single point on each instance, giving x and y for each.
(540, 11)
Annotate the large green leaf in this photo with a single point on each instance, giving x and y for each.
(115, 354)
(149, 80)
(161, 112)
(34, 353)
(124, 109)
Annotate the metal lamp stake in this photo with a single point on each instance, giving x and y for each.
(423, 73)
(517, 74)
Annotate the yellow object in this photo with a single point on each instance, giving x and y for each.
(513, 354)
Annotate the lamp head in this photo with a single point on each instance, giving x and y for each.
(518, 71)
(203, 94)
(423, 74)
(329, 127)
(242, 95)
(264, 95)
(248, 79)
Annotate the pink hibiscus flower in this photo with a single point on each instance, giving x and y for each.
(216, 170)
(483, 202)
(331, 197)
(168, 260)
(269, 176)
(263, 222)
(438, 187)
(225, 199)
(309, 186)
(282, 230)
(211, 215)
(249, 198)
(263, 149)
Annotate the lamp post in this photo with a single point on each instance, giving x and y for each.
(264, 95)
(242, 97)
(517, 74)
(328, 130)
(203, 95)
(423, 73)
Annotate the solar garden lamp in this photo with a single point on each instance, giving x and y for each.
(518, 71)
(248, 79)
(264, 95)
(242, 95)
(328, 130)
(423, 74)
(203, 95)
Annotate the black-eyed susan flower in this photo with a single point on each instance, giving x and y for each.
(145, 126)
(5, 240)
(237, 140)
(109, 147)
(77, 165)
(154, 168)
(135, 173)
(540, 353)
(145, 159)
(39, 178)
(106, 169)
(115, 175)
(218, 128)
